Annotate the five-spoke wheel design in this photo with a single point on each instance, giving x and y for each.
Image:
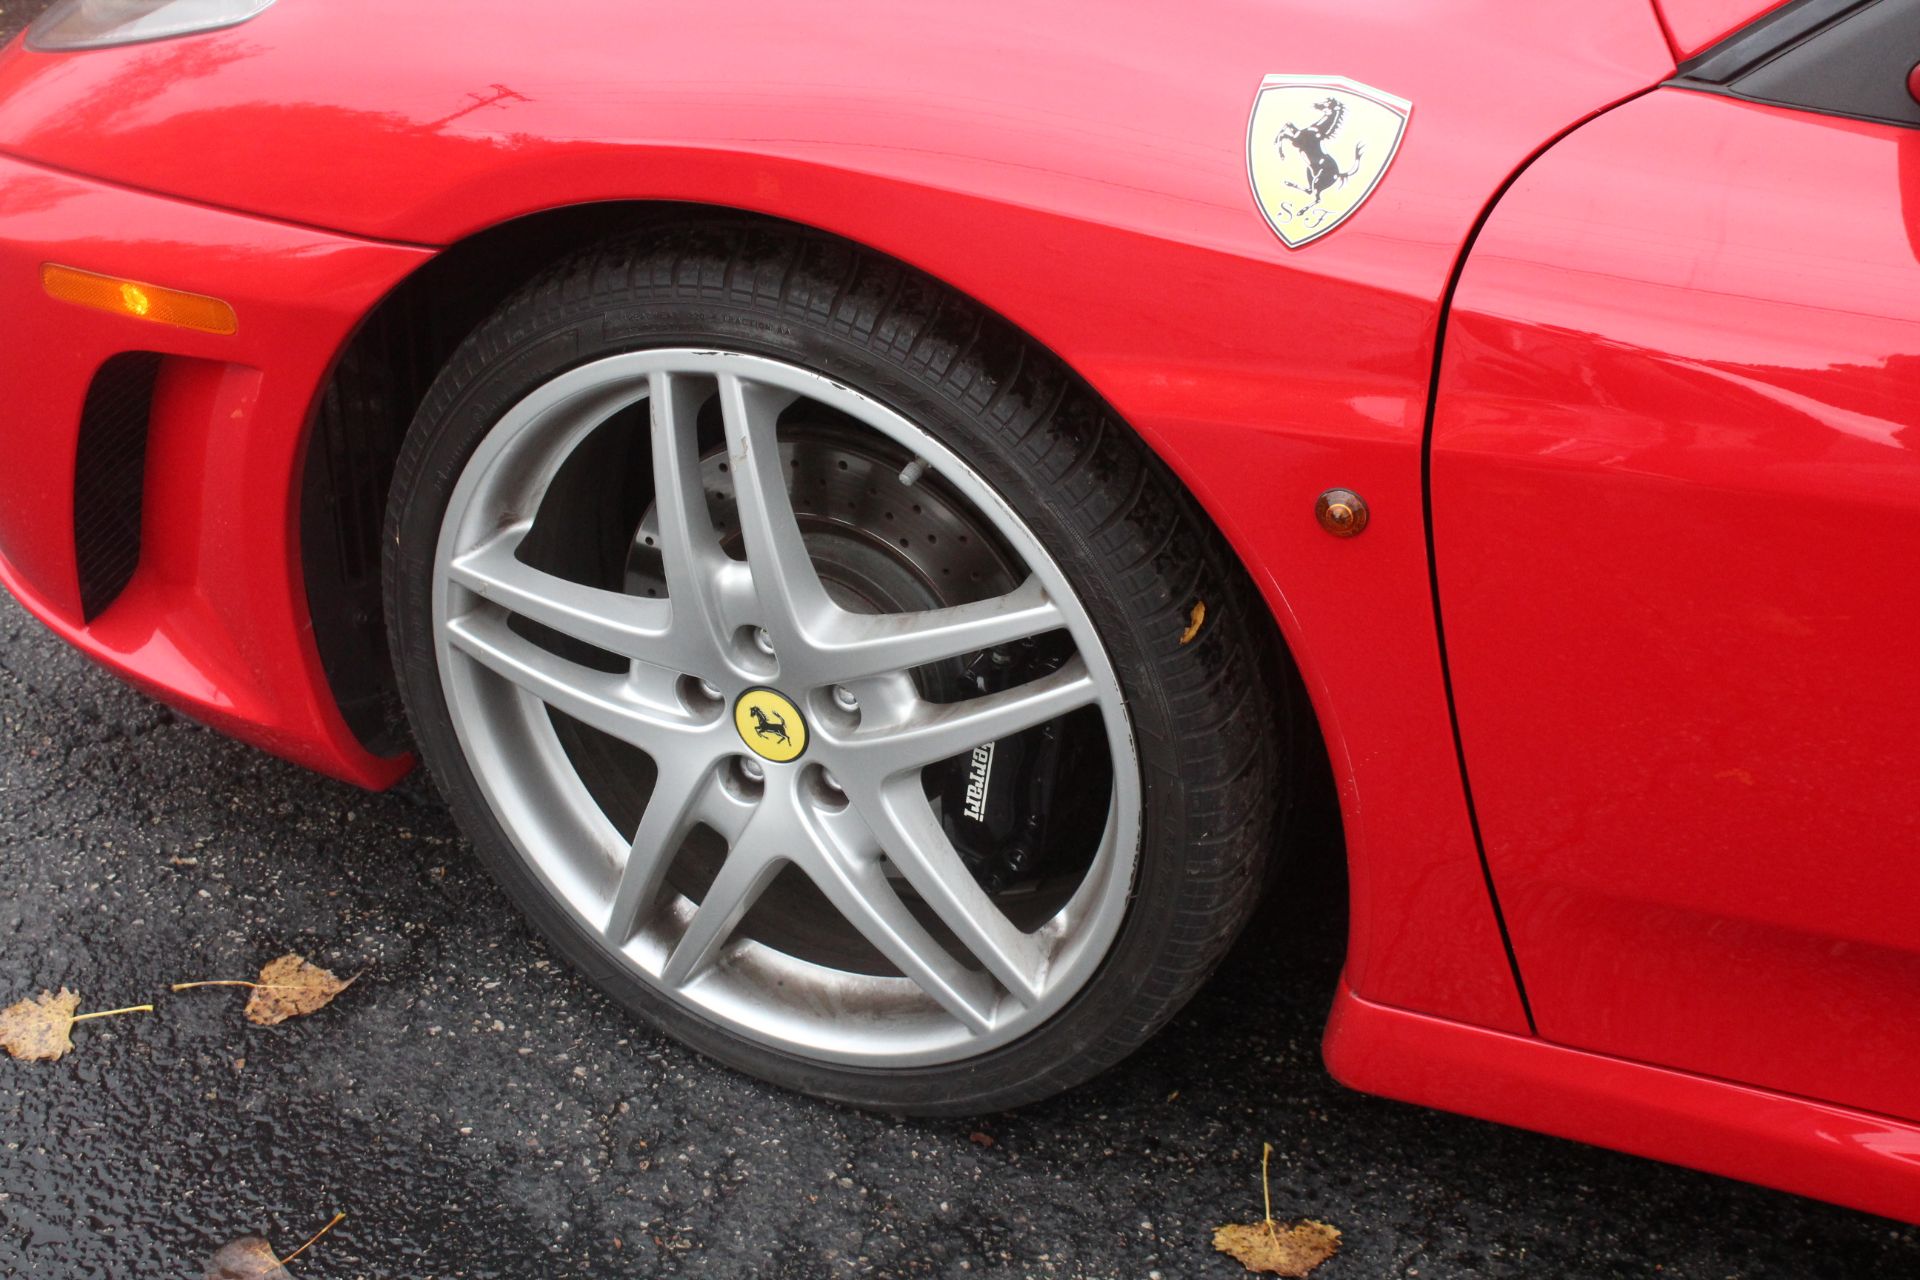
(740, 763)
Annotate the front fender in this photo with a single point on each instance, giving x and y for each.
(1080, 167)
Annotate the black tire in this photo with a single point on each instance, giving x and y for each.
(1209, 722)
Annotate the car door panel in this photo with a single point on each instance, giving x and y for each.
(1676, 495)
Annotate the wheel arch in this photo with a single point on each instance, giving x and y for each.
(381, 376)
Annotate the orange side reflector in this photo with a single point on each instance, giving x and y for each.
(141, 301)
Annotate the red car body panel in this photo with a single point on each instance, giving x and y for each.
(1686, 689)
(1079, 167)
(215, 619)
(1694, 25)
(1796, 1144)
(1032, 180)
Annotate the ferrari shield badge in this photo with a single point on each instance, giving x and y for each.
(1317, 146)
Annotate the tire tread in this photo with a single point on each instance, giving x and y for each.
(1203, 717)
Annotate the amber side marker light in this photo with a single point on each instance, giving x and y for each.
(141, 301)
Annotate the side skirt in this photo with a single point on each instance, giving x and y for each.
(1854, 1158)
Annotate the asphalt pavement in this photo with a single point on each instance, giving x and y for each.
(478, 1111)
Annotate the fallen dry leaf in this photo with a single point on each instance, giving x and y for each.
(291, 988)
(248, 1258)
(288, 988)
(253, 1258)
(1276, 1250)
(41, 1029)
(1272, 1249)
(1195, 617)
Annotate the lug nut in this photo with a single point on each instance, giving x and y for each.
(708, 691)
(763, 641)
(844, 699)
(751, 770)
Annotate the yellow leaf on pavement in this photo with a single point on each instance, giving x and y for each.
(253, 1257)
(289, 987)
(41, 1029)
(248, 1258)
(1271, 1249)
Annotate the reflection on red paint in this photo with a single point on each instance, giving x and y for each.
(1687, 702)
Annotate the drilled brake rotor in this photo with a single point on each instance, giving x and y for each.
(883, 544)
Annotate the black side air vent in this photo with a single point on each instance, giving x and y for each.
(109, 473)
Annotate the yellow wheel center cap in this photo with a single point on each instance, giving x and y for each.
(770, 725)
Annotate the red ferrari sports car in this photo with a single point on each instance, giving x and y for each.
(874, 515)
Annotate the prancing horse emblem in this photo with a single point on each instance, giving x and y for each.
(766, 725)
(770, 725)
(1311, 142)
(1317, 146)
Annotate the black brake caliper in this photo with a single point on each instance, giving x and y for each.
(1000, 804)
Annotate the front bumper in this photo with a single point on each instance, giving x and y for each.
(214, 617)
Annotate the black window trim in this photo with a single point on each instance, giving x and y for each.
(1813, 42)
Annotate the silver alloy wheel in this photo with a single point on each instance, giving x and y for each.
(848, 809)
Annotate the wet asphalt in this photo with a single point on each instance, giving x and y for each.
(478, 1111)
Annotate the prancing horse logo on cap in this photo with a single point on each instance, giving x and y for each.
(1317, 146)
(770, 725)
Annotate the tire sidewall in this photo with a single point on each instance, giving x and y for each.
(508, 359)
